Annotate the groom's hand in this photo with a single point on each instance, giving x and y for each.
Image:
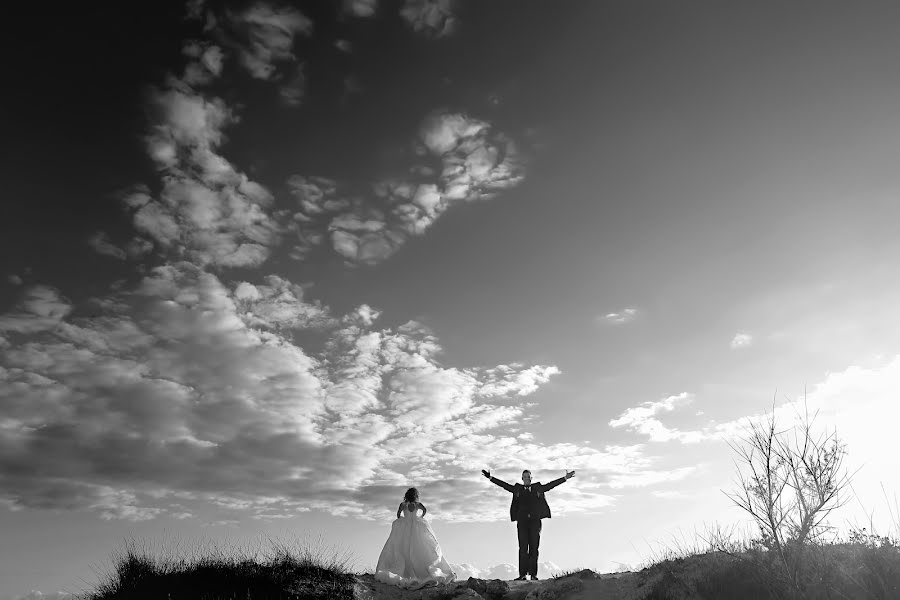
(570, 474)
(486, 473)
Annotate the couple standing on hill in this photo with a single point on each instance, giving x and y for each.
(412, 557)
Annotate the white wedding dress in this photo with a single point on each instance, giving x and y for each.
(411, 557)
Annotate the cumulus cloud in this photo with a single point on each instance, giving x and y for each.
(206, 211)
(263, 37)
(278, 304)
(459, 159)
(626, 315)
(210, 213)
(187, 389)
(188, 125)
(741, 340)
(41, 308)
(431, 18)
(173, 389)
(206, 64)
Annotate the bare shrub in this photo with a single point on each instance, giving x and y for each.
(790, 481)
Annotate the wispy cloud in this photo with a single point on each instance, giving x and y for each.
(360, 8)
(625, 315)
(858, 403)
(432, 18)
(643, 420)
(101, 244)
(294, 88)
(650, 477)
(741, 340)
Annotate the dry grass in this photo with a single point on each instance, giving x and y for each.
(271, 571)
(862, 567)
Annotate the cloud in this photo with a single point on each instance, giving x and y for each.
(41, 308)
(14, 279)
(278, 304)
(182, 389)
(642, 420)
(206, 64)
(858, 403)
(102, 245)
(741, 340)
(504, 380)
(186, 389)
(206, 211)
(177, 378)
(263, 36)
(210, 213)
(431, 18)
(626, 315)
(194, 9)
(650, 477)
(360, 8)
(458, 159)
(185, 121)
(293, 90)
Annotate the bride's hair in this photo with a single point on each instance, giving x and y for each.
(412, 495)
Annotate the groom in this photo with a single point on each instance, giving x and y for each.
(528, 507)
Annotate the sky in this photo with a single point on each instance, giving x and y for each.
(265, 265)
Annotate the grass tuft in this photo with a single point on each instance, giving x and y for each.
(863, 566)
(279, 571)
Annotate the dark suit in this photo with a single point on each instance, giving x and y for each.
(528, 507)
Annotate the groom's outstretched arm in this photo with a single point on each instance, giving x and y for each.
(500, 482)
(549, 486)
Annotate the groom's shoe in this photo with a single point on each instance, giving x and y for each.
(520, 578)
(534, 577)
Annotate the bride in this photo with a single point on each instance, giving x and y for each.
(411, 557)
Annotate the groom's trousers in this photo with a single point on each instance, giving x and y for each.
(529, 540)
